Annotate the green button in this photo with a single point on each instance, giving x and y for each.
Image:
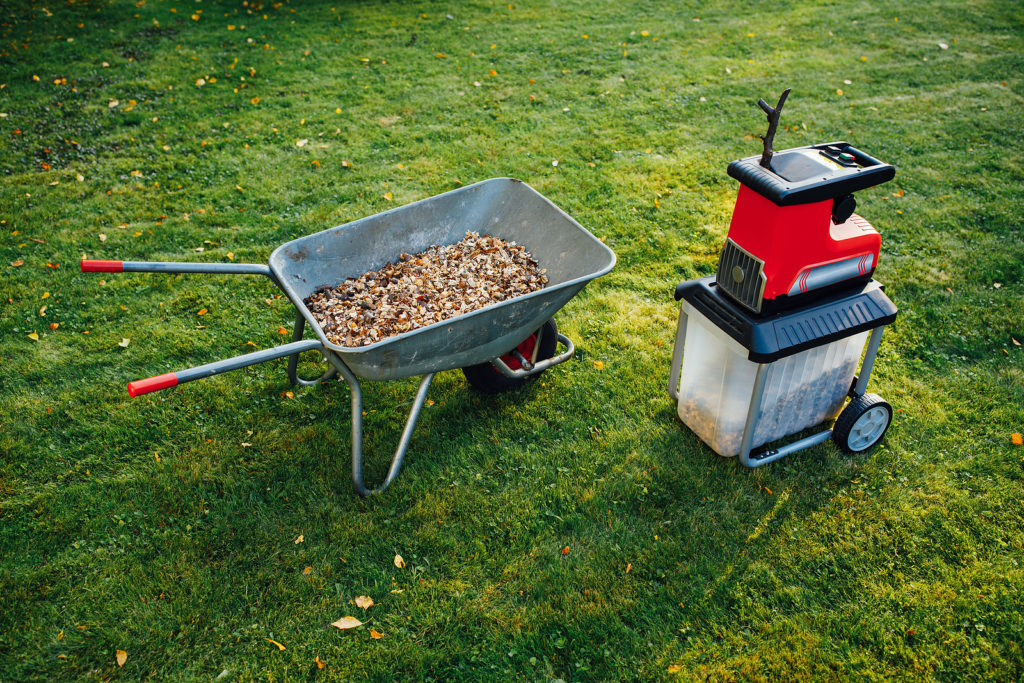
(846, 156)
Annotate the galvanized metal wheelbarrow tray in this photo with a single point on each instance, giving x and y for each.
(503, 207)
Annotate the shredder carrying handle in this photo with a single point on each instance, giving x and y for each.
(173, 379)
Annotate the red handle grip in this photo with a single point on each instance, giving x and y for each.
(90, 266)
(144, 386)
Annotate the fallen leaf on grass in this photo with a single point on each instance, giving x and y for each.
(33, 336)
(598, 365)
(42, 311)
(565, 550)
(300, 539)
(301, 143)
(399, 562)
(46, 295)
(18, 263)
(281, 330)
(1015, 342)
(1017, 439)
(388, 196)
(364, 601)
(103, 238)
(307, 571)
(346, 623)
(121, 657)
(124, 343)
(54, 326)
(274, 642)
(674, 669)
(319, 662)
(376, 635)
(629, 567)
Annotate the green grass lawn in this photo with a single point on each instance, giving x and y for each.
(168, 526)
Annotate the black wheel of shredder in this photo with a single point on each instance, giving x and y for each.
(862, 423)
(486, 378)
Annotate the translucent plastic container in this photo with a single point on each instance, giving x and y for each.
(716, 381)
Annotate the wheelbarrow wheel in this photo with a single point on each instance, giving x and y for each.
(538, 346)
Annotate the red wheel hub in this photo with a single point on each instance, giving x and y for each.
(526, 349)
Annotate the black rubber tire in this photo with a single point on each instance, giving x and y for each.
(852, 437)
(486, 379)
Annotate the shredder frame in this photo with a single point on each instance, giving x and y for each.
(768, 340)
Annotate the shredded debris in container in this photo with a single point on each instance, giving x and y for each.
(421, 289)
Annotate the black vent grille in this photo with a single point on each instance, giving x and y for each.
(741, 275)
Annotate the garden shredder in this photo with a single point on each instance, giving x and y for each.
(769, 345)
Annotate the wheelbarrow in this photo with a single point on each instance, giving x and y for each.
(499, 347)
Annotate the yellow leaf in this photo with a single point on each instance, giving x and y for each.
(337, 110)
(299, 540)
(54, 326)
(364, 601)
(289, 394)
(399, 562)
(388, 196)
(346, 164)
(319, 663)
(33, 336)
(274, 642)
(598, 365)
(46, 295)
(231, 256)
(346, 623)
(674, 669)
(281, 330)
(307, 571)
(42, 311)
(122, 657)
(124, 343)
(376, 635)
(202, 311)
(1017, 439)
(629, 567)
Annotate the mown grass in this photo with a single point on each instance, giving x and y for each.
(147, 526)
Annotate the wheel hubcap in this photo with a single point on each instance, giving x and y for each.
(868, 428)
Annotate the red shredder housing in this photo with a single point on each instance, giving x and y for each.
(792, 244)
(793, 231)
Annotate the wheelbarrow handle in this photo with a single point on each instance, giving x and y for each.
(173, 379)
(96, 266)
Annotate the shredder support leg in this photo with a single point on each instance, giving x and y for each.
(677, 355)
(868, 364)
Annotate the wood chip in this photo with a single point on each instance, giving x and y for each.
(421, 289)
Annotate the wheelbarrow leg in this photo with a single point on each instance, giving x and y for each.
(293, 360)
(357, 427)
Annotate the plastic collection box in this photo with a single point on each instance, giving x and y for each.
(800, 391)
